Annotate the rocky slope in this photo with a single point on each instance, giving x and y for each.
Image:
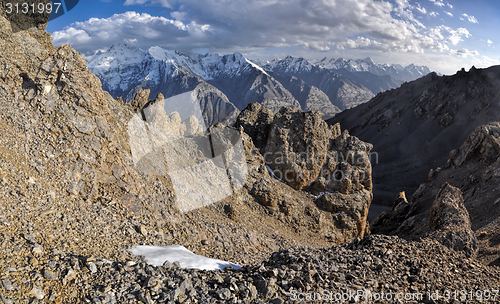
(309, 97)
(377, 267)
(80, 182)
(425, 120)
(394, 71)
(473, 170)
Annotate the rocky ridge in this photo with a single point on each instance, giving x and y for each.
(363, 271)
(471, 170)
(396, 71)
(341, 91)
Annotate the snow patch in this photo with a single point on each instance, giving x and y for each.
(257, 67)
(157, 255)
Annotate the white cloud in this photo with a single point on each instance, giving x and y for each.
(448, 13)
(469, 18)
(489, 42)
(142, 30)
(438, 2)
(433, 14)
(464, 53)
(72, 35)
(449, 5)
(421, 9)
(455, 36)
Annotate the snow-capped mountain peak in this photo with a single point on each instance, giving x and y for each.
(122, 65)
(289, 64)
(116, 56)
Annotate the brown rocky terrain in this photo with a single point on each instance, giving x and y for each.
(304, 153)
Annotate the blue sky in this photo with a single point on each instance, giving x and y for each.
(443, 35)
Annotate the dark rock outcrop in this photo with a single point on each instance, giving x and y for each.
(305, 152)
(483, 141)
(256, 121)
(414, 127)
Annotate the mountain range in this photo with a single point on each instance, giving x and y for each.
(226, 84)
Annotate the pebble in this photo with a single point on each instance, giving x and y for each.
(50, 275)
(92, 267)
(7, 284)
(37, 293)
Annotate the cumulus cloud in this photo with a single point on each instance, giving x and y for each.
(489, 42)
(455, 36)
(469, 18)
(421, 8)
(142, 30)
(433, 14)
(241, 25)
(449, 14)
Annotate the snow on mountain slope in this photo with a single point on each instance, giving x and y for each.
(341, 91)
(231, 65)
(408, 73)
(289, 64)
(121, 66)
(178, 59)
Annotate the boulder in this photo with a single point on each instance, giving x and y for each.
(350, 211)
(140, 100)
(450, 223)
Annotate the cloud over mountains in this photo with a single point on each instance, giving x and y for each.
(229, 25)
